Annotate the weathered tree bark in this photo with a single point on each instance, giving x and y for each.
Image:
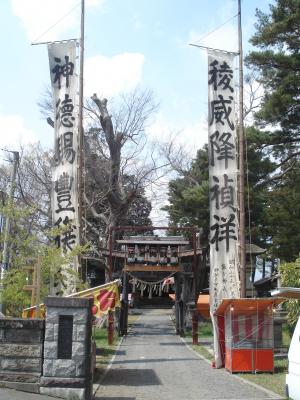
(118, 200)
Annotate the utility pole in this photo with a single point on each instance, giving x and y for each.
(6, 241)
(80, 136)
(241, 160)
(80, 121)
(196, 290)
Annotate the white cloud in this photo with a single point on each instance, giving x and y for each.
(191, 136)
(110, 76)
(224, 38)
(13, 132)
(39, 15)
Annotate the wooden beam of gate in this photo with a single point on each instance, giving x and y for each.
(154, 268)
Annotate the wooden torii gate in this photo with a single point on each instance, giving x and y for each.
(158, 267)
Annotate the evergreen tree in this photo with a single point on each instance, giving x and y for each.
(257, 190)
(290, 277)
(278, 64)
(283, 214)
(277, 61)
(189, 198)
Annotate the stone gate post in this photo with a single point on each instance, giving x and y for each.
(67, 348)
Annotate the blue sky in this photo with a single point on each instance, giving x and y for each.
(128, 43)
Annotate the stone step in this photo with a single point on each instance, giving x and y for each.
(22, 386)
(11, 376)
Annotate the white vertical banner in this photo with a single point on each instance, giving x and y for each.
(224, 276)
(64, 198)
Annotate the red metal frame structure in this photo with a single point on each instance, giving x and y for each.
(248, 344)
(195, 271)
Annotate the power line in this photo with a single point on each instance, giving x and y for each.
(56, 23)
(217, 28)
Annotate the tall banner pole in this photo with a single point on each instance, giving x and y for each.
(80, 124)
(224, 277)
(241, 161)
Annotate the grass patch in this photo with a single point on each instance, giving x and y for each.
(202, 350)
(105, 352)
(286, 335)
(205, 330)
(274, 382)
(103, 348)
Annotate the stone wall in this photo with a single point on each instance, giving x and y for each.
(21, 350)
(52, 357)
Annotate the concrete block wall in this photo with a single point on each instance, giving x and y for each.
(21, 351)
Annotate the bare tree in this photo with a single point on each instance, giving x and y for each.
(34, 183)
(117, 156)
(253, 91)
(119, 161)
(33, 186)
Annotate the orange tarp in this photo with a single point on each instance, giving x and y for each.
(202, 304)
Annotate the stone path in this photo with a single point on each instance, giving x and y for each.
(153, 363)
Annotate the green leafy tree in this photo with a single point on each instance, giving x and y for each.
(51, 260)
(277, 63)
(283, 214)
(14, 297)
(25, 249)
(188, 196)
(290, 277)
(22, 242)
(257, 190)
(139, 212)
(272, 212)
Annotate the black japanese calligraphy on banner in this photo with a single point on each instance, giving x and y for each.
(224, 277)
(64, 80)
